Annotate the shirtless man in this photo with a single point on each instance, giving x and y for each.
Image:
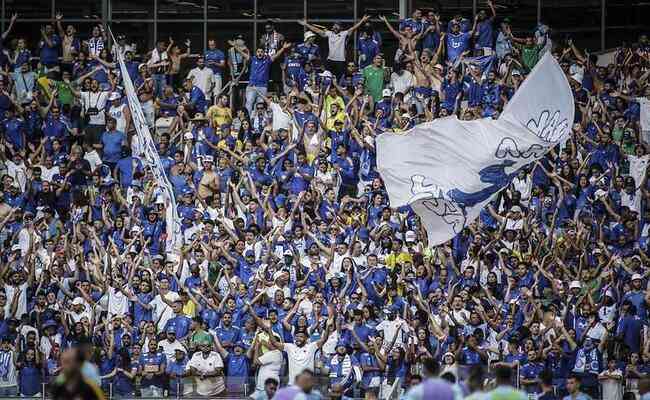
(428, 73)
(209, 182)
(145, 95)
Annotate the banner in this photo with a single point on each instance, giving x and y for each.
(448, 170)
(145, 148)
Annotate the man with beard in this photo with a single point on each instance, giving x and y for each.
(203, 78)
(300, 354)
(336, 39)
(207, 367)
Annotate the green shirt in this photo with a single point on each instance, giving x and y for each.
(530, 56)
(373, 78)
(65, 93)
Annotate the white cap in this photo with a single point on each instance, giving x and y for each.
(309, 34)
(386, 93)
(516, 209)
(77, 301)
(15, 247)
(410, 236)
(575, 284)
(188, 135)
(114, 96)
(636, 276)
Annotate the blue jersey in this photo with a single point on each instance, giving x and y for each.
(213, 56)
(151, 361)
(260, 68)
(457, 44)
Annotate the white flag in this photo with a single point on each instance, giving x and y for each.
(145, 149)
(448, 170)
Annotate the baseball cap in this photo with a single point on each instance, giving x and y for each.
(636, 277)
(410, 236)
(575, 284)
(386, 93)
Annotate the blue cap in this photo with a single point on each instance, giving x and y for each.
(249, 253)
(224, 126)
(49, 324)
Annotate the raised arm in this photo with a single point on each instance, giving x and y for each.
(392, 30)
(358, 24)
(11, 25)
(315, 29)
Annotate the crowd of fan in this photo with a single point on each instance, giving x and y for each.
(293, 265)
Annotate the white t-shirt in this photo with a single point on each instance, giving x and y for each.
(612, 388)
(169, 348)
(392, 328)
(47, 342)
(280, 118)
(402, 82)
(336, 42)
(202, 78)
(95, 100)
(118, 303)
(300, 358)
(120, 118)
(93, 159)
(271, 364)
(48, 173)
(161, 308)
(22, 299)
(208, 386)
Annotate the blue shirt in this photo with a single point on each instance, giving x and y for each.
(457, 44)
(126, 167)
(485, 34)
(112, 142)
(14, 130)
(180, 324)
(50, 55)
(213, 56)
(197, 97)
(157, 359)
(175, 368)
(260, 68)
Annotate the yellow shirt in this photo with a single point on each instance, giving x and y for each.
(189, 309)
(329, 122)
(45, 83)
(393, 259)
(329, 100)
(219, 115)
(222, 144)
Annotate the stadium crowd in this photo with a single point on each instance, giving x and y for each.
(294, 271)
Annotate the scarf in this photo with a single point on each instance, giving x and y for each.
(340, 368)
(587, 361)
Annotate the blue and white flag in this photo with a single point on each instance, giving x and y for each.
(448, 170)
(145, 148)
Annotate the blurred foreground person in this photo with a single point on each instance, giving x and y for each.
(70, 384)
